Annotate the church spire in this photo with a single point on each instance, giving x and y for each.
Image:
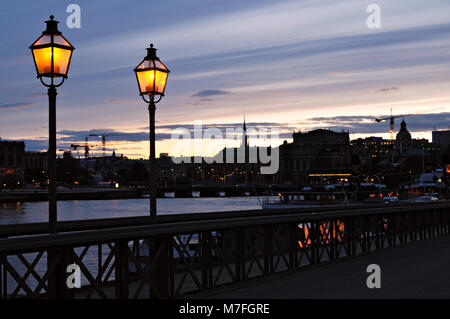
(244, 134)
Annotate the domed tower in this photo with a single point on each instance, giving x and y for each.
(403, 138)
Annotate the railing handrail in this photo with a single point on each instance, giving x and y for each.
(143, 231)
(41, 228)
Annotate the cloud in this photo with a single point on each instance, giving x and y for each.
(394, 88)
(211, 92)
(70, 136)
(367, 125)
(34, 95)
(224, 126)
(36, 144)
(113, 100)
(200, 102)
(16, 105)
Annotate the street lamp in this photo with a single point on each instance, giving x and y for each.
(151, 75)
(52, 54)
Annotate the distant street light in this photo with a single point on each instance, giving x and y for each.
(151, 75)
(52, 54)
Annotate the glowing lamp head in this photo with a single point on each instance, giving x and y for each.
(151, 74)
(52, 52)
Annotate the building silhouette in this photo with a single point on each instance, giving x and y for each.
(441, 138)
(12, 163)
(315, 157)
(403, 138)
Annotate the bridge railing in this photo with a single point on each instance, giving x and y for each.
(179, 258)
(41, 228)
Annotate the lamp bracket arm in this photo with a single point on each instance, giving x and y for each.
(151, 98)
(51, 84)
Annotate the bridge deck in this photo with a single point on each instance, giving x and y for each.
(417, 270)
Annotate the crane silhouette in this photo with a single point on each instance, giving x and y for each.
(391, 122)
(103, 137)
(86, 147)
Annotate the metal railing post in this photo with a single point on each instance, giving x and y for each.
(292, 245)
(268, 250)
(332, 239)
(365, 232)
(3, 291)
(121, 270)
(351, 237)
(57, 261)
(314, 242)
(160, 271)
(239, 267)
(378, 230)
(205, 260)
(171, 267)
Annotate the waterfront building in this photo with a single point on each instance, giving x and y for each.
(403, 139)
(441, 138)
(409, 158)
(370, 150)
(12, 164)
(313, 158)
(405, 142)
(36, 161)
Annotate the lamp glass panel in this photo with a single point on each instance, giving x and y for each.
(160, 65)
(160, 81)
(59, 39)
(146, 80)
(43, 59)
(45, 39)
(146, 64)
(61, 60)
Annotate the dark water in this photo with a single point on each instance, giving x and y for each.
(30, 212)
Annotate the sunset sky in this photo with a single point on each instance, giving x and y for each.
(292, 65)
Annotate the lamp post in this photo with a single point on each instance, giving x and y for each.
(52, 54)
(151, 75)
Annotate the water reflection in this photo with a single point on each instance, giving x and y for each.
(31, 212)
(327, 232)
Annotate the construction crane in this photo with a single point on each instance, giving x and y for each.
(391, 122)
(103, 137)
(85, 146)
